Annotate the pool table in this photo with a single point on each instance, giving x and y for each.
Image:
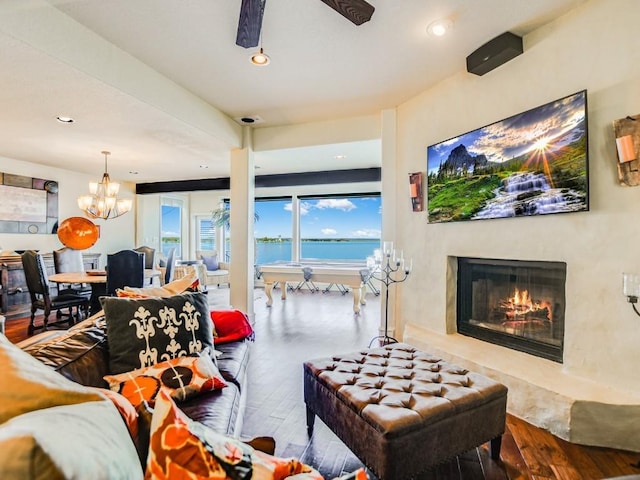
(354, 275)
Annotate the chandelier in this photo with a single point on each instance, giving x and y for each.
(102, 201)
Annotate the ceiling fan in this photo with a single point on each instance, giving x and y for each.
(251, 12)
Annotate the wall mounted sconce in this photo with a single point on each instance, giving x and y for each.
(631, 289)
(626, 152)
(415, 191)
(627, 135)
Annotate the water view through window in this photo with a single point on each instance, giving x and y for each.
(171, 221)
(331, 228)
(205, 232)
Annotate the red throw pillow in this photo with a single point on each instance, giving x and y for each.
(230, 326)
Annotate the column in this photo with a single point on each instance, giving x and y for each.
(242, 196)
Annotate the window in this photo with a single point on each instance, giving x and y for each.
(171, 226)
(346, 227)
(205, 233)
(331, 227)
(272, 230)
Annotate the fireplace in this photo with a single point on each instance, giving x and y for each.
(514, 303)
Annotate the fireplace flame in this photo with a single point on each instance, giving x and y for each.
(522, 304)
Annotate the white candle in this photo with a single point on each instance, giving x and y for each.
(631, 284)
(409, 266)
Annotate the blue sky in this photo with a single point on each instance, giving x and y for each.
(543, 129)
(170, 221)
(322, 218)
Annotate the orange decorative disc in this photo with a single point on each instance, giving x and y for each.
(78, 233)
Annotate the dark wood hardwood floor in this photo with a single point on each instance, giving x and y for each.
(313, 325)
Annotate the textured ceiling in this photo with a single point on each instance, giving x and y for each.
(133, 72)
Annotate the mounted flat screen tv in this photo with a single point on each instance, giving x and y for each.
(533, 163)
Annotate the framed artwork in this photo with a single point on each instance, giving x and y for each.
(533, 163)
(28, 205)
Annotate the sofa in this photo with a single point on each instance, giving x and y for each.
(81, 354)
(153, 386)
(60, 419)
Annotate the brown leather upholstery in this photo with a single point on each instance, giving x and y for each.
(81, 354)
(124, 269)
(39, 287)
(402, 411)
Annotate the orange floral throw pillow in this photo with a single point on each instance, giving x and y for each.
(182, 377)
(181, 448)
(359, 474)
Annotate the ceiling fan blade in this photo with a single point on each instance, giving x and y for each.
(250, 23)
(357, 11)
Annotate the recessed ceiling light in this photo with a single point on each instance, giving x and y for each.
(63, 119)
(339, 157)
(249, 119)
(439, 27)
(261, 59)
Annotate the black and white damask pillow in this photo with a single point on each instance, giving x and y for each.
(144, 331)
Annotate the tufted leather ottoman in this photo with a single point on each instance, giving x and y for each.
(402, 411)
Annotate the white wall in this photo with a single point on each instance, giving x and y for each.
(115, 234)
(148, 221)
(597, 48)
(317, 133)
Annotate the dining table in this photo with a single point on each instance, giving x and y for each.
(97, 280)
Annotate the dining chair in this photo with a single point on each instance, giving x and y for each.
(171, 263)
(70, 260)
(124, 269)
(35, 273)
(149, 258)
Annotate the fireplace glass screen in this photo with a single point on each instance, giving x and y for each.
(513, 303)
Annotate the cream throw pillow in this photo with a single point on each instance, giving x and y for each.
(84, 441)
(26, 384)
(167, 290)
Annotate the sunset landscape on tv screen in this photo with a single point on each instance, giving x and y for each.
(533, 163)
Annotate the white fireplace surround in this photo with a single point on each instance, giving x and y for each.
(541, 391)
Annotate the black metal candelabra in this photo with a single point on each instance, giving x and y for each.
(631, 289)
(388, 270)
